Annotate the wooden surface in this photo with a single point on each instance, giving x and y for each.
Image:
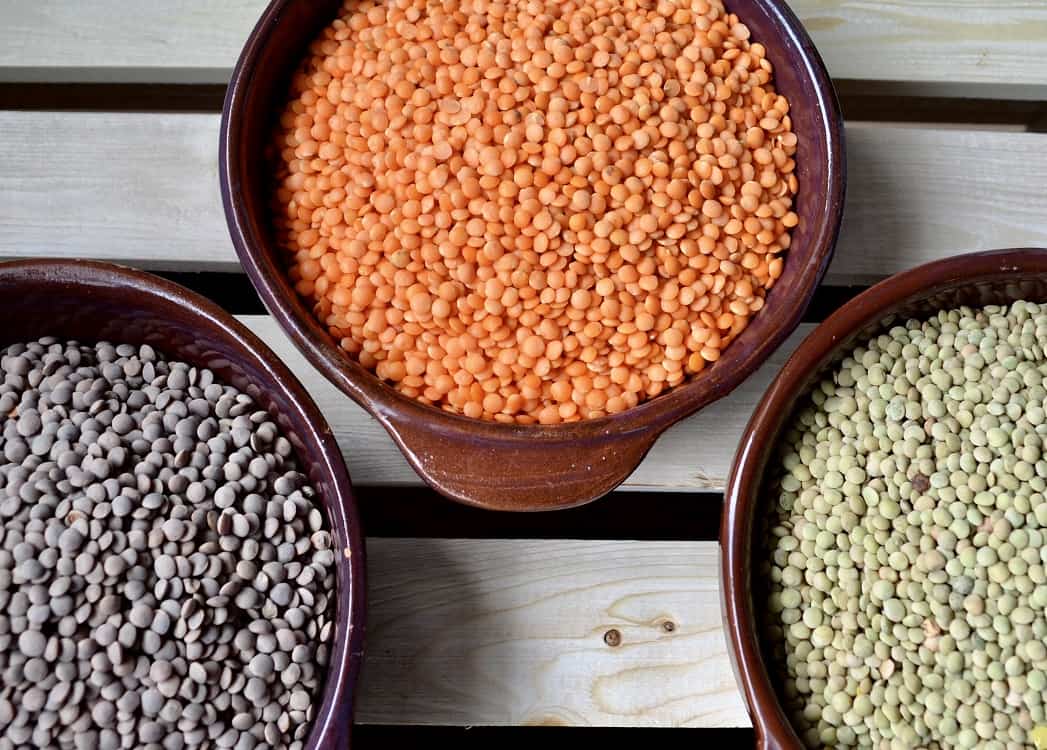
(952, 47)
(143, 188)
(512, 632)
(161, 41)
(488, 630)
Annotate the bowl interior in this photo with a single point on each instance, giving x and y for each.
(259, 90)
(94, 301)
(972, 280)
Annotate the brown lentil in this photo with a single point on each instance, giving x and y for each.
(535, 212)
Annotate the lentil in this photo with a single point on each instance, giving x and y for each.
(534, 212)
(925, 556)
(125, 617)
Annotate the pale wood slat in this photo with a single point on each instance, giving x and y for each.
(121, 187)
(113, 41)
(508, 632)
(961, 47)
(143, 189)
(934, 48)
(694, 455)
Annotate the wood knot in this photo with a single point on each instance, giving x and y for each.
(612, 637)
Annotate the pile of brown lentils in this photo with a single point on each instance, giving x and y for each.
(166, 572)
(535, 212)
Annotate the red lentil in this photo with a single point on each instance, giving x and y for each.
(535, 212)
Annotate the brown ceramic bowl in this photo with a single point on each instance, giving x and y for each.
(98, 301)
(527, 467)
(977, 279)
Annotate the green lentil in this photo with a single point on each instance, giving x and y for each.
(907, 583)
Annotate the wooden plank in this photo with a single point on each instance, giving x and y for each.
(925, 47)
(121, 187)
(513, 632)
(143, 189)
(112, 41)
(919, 194)
(696, 454)
(930, 47)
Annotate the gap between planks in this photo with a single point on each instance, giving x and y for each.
(142, 189)
(911, 47)
(394, 512)
(694, 455)
(511, 632)
(990, 114)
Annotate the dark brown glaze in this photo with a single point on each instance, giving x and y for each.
(511, 467)
(976, 279)
(90, 301)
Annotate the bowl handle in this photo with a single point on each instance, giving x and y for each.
(519, 475)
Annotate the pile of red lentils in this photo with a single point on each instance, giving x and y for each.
(535, 212)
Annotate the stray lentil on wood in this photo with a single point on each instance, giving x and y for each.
(908, 588)
(128, 617)
(535, 212)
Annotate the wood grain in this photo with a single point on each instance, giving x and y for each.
(112, 41)
(143, 189)
(114, 186)
(929, 47)
(513, 632)
(918, 194)
(925, 47)
(696, 454)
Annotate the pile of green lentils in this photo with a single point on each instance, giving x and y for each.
(906, 561)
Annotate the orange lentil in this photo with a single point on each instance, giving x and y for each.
(535, 234)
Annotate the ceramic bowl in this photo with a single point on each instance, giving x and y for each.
(91, 302)
(997, 277)
(527, 467)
